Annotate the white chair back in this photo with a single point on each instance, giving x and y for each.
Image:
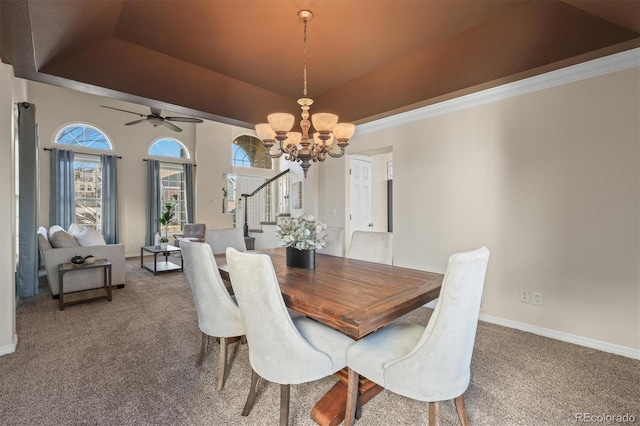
(372, 246)
(277, 351)
(218, 314)
(334, 237)
(438, 367)
(220, 239)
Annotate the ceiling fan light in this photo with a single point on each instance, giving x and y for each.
(281, 121)
(265, 132)
(344, 130)
(324, 121)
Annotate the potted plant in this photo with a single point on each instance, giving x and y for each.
(301, 236)
(165, 220)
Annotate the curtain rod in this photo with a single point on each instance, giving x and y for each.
(168, 162)
(82, 153)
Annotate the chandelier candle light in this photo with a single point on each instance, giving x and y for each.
(298, 146)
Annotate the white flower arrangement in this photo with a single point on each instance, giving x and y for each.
(302, 233)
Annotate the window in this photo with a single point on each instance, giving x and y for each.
(83, 135)
(248, 151)
(172, 190)
(169, 147)
(172, 180)
(87, 171)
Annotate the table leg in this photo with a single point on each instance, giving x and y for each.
(155, 263)
(61, 290)
(330, 410)
(107, 282)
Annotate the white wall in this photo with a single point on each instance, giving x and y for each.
(549, 181)
(8, 337)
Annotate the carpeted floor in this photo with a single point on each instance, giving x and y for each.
(131, 362)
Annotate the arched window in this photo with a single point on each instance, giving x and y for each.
(248, 151)
(83, 135)
(87, 171)
(172, 178)
(169, 147)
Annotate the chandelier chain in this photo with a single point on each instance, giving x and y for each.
(304, 73)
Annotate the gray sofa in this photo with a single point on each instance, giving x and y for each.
(81, 280)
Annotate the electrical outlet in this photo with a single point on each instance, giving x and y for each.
(537, 298)
(524, 296)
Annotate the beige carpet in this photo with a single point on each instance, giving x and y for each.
(131, 362)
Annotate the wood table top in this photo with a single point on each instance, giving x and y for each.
(352, 296)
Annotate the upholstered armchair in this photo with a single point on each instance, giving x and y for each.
(190, 232)
(281, 349)
(427, 364)
(372, 246)
(218, 314)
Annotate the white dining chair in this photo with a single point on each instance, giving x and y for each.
(334, 238)
(372, 246)
(220, 239)
(427, 364)
(281, 349)
(218, 314)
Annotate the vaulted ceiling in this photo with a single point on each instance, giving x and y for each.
(237, 61)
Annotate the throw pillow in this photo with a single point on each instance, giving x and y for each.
(43, 239)
(75, 229)
(90, 237)
(62, 239)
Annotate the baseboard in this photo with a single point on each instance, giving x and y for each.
(564, 337)
(7, 349)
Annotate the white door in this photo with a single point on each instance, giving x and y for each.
(246, 185)
(361, 205)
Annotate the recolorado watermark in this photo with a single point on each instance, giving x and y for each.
(605, 418)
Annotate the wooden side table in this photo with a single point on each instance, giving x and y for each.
(106, 278)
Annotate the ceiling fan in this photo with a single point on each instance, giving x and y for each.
(155, 119)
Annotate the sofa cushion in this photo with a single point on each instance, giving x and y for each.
(89, 237)
(62, 239)
(43, 238)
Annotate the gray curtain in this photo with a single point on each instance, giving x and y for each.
(189, 192)
(62, 208)
(27, 271)
(153, 200)
(110, 221)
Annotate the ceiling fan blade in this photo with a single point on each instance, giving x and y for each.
(123, 110)
(184, 119)
(156, 111)
(135, 122)
(171, 126)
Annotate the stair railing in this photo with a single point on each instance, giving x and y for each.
(257, 190)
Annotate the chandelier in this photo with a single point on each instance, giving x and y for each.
(299, 146)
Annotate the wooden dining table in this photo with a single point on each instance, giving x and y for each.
(352, 296)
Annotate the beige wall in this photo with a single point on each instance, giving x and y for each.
(549, 181)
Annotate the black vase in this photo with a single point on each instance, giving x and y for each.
(301, 258)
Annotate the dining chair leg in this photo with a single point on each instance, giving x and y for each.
(252, 394)
(222, 362)
(434, 413)
(203, 349)
(284, 404)
(352, 397)
(462, 411)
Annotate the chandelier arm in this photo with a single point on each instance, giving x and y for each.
(336, 155)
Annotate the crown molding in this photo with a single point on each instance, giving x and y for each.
(594, 68)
